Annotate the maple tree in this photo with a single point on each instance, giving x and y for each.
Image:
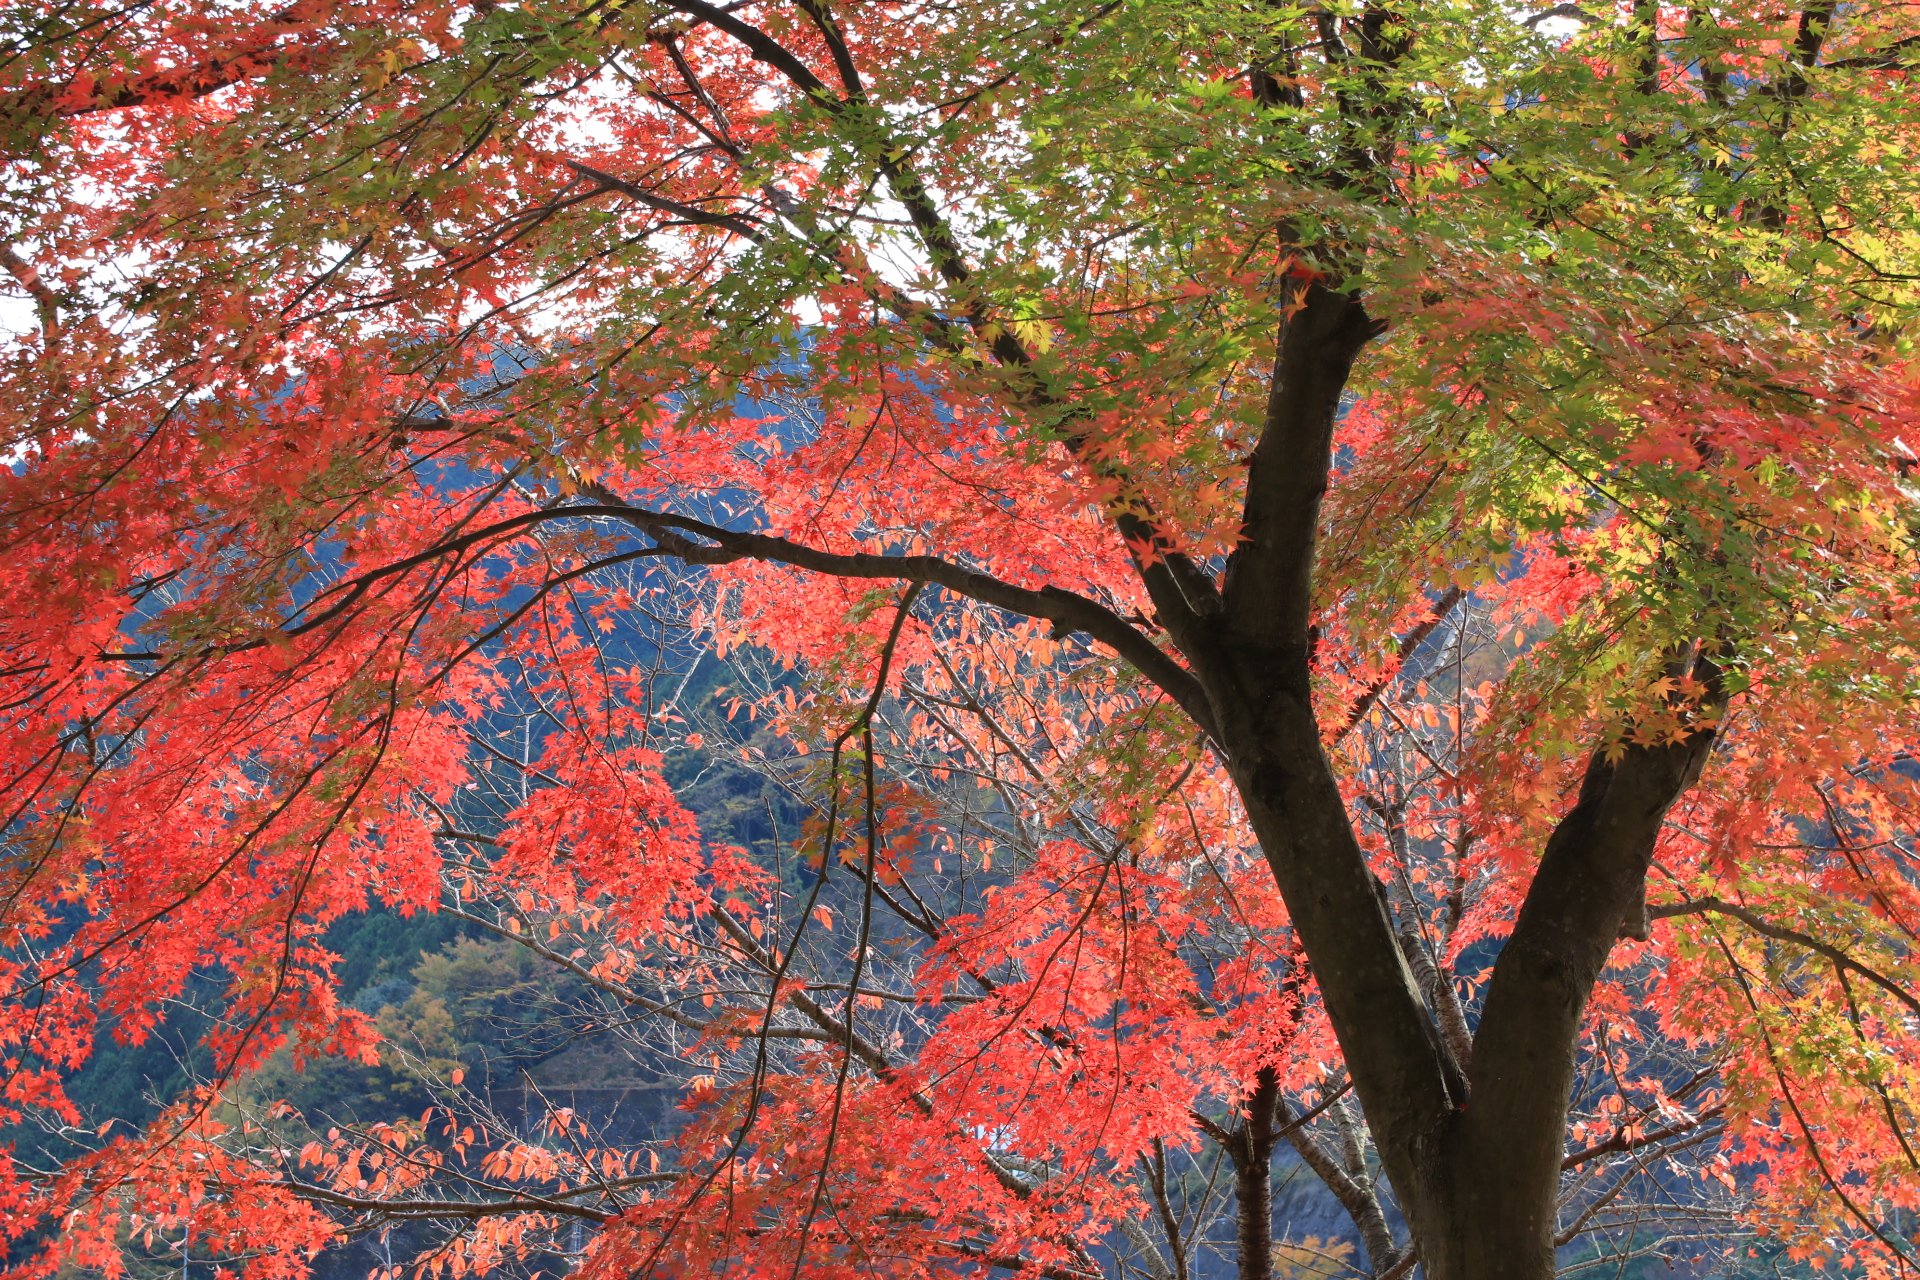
(1339, 577)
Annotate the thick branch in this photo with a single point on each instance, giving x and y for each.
(45, 301)
(1014, 1262)
(1358, 1200)
(442, 1209)
(1619, 1142)
(1590, 881)
(1269, 580)
(660, 204)
(1252, 1153)
(1256, 663)
(1886, 58)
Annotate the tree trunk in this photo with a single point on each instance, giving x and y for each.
(1392, 1050)
(1253, 1178)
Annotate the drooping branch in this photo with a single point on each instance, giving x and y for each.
(1065, 609)
(699, 542)
(1182, 592)
(283, 36)
(1781, 933)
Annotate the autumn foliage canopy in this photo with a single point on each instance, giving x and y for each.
(1326, 585)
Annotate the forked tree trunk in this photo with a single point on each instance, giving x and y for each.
(1473, 1156)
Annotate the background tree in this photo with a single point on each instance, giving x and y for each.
(1337, 558)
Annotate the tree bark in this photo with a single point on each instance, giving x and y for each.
(1253, 1178)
